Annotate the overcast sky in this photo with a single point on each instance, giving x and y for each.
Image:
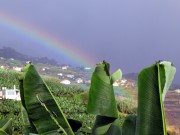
(129, 34)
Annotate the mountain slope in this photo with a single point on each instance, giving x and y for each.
(8, 53)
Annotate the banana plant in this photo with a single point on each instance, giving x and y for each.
(153, 84)
(102, 100)
(44, 114)
(6, 126)
(46, 118)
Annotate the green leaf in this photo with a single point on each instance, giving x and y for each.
(102, 100)
(6, 126)
(27, 126)
(169, 72)
(129, 125)
(3, 132)
(115, 128)
(43, 110)
(102, 125)
(152, 83)
(101, 95)
(116, 75)
(75, 125)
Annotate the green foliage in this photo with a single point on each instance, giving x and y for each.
(9, 106)
(129, 125)
(101, 95)
(127, 106)
(58, 89)
(11, 109)
(102, 100)
(74, 108)
(6, 126)
(36, 97)
(8, 78)
(153, 83)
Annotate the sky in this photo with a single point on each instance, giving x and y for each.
(129, 34)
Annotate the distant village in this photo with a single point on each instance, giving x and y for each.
(64, 77)
(70, 79)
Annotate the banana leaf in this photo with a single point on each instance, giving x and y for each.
(102, 125)
(3, 132)
(115, 128)
(102, 102)
(6, 126)
(169, 72)
(129, 125)
(75, 124)
(27, 126)
(43, 111)
(101, 95)
(153, 83)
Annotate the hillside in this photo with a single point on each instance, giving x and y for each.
(68, 97)
(10, 53)
(79, 78)
(9, 78)
(75, 75)
(134, 77)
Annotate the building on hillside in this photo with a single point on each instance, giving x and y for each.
(12, 59)
(87, 68)
(116, 83)
(17, 69)
(65, 67)
(130, 84)
(87, 81)
(28, 62)
(79, 80)
(70, 76)
(2, 67)
(13, 94)
(45, 68)
(66, 82)
(60, 74)
(177, 90)
(123, 82)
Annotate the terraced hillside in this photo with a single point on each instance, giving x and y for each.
(172, 109)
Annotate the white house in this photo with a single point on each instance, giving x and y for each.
(11, 58)
(177, 90)
(123, 82)
(44, 68)
(59, 74)
(88, 81)
(79, 80)
(65, 67)
(70, 76)
(2, 67)
(17, 68)
(13, 94)
(87, 68)
(115, 83)
(66, 82)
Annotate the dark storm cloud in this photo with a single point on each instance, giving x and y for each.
(129, 34)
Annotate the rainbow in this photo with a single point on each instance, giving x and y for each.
(76, 55)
